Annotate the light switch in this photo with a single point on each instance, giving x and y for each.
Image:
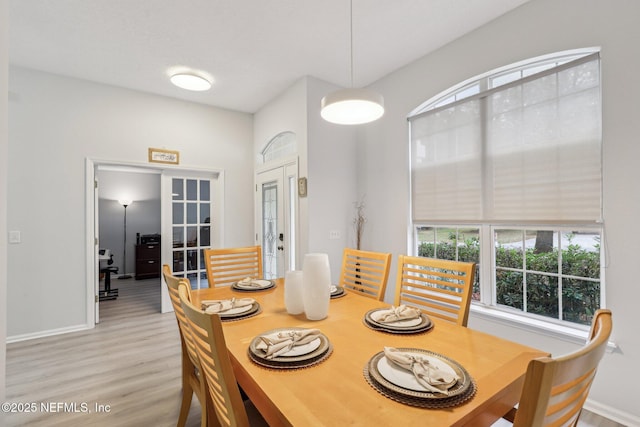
(14, 236)
(334, 234)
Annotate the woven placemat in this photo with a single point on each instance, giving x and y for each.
(396, 331)
(236, 288)
(420, 403)
(242, 317)
(269, 364)
(339, 294)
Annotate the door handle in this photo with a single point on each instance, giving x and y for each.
(281, 248)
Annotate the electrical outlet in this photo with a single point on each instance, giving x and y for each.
(334, 234)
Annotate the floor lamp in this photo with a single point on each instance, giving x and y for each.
(125, 203)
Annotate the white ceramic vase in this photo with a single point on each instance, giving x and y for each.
(293, 292)
(316, 285)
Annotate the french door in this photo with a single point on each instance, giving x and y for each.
(190, 224)
(276, 219)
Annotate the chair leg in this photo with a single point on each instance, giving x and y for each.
(187, 396)
(187, 387)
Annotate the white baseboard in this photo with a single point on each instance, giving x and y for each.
(612, 414)
(49, 333)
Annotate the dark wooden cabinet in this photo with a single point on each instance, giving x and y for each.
(147, 261)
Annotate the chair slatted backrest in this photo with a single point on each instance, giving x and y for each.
(173, 283)
(225, 266)
(365, 272)
(215, 363)
(440, 288)
(192, 382)
(555, 389)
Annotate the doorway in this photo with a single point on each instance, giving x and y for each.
(128, 225)
(277, 219)
(165, 214)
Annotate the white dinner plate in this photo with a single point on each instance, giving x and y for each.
(303, 349)
(298, 350)
(405, 379)
(262, 284)
(405, 323)
(237, 310)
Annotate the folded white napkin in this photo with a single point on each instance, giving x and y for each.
(222, 305)
(395, 314)
(428, 375)
(250, 282)
(280, 343)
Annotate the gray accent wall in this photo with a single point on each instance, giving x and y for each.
(143, 214)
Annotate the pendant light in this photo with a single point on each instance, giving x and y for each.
(352, 106)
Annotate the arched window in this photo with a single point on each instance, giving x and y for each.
(282, 145)
(506, 172)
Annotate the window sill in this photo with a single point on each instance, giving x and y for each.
(574, 335)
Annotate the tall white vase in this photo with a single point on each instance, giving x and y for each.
(293, 292)
(316, 285)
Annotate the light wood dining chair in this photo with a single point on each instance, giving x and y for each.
(555, 389)
(216, 366)
(192, 381)
(365, 272)
(440, 288)
(225, 266)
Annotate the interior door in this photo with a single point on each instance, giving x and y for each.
(276, 219)
(190, 224)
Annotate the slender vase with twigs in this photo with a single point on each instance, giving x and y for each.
(358, 224)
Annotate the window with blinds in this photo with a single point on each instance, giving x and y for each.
(506, 172)
(524, 148)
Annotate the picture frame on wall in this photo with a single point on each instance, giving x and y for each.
(160, 155)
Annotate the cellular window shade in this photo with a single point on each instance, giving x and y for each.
(526, 151)
(446, 163)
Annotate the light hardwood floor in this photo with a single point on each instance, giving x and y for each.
(130, 361)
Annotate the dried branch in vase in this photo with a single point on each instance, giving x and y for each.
(359, 222)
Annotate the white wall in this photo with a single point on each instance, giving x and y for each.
(4, 71)
(55, 123)
(536, 28)
(332, 184)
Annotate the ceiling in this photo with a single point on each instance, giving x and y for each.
(253, 49)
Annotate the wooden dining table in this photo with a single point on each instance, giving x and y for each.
(334, 392)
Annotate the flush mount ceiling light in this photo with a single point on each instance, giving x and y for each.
(352, 106)
(191, 81)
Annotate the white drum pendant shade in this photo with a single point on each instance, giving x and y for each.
(352, 106)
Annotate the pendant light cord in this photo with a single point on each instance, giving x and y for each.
(351, 37)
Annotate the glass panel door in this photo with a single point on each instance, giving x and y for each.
(191, 228)
(270, 231)
(277, 219)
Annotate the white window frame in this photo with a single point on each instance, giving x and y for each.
(487, 308)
